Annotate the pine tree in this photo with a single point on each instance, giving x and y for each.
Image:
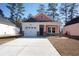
(29, 16)
(1, 13)
(64, 7)
(41, 8)
(73, 12)
(12, 8)
(52, 10)
(19, 11)
(16, 10)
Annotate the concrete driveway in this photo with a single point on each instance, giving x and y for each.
(28, 47)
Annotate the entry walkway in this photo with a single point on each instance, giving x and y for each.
(28, 47)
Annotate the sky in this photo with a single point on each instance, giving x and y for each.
(30, 8)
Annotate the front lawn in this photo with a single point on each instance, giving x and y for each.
(65, 46)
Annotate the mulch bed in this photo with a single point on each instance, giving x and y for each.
(65, 46)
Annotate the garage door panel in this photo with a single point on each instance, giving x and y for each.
(30, 32)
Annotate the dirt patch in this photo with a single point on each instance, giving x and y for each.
(65, 46)
(5, 40)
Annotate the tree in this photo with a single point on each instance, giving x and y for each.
(18, 24)
(52, 10)
(41, 8)
(29, 16)
(1, 13)
(24, 19)
(19, 11)
(12, 8)
(64, 7)
(16, 10)
(68, 11)
(73, 11)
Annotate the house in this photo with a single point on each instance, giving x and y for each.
(40, 25)
(72, 27)
(7, 28)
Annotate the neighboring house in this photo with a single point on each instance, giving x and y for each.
(72, 27)
(7, 28)
(40, 25)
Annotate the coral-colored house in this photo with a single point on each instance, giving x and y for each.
(72, 27)
(40, 25)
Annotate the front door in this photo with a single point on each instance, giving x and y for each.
(41, 29)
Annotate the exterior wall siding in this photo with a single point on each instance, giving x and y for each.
(36, 24)
(72, 29)
(7, 30)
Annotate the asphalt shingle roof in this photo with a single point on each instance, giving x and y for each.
(73, 21)
(5, 21)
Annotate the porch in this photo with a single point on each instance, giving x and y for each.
(47, 30)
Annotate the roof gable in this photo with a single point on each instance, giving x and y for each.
(41, 17)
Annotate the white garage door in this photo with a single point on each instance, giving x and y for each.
(30, 31)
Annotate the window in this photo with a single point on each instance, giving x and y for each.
(53, 30)
(49, 29)
(30, 27)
